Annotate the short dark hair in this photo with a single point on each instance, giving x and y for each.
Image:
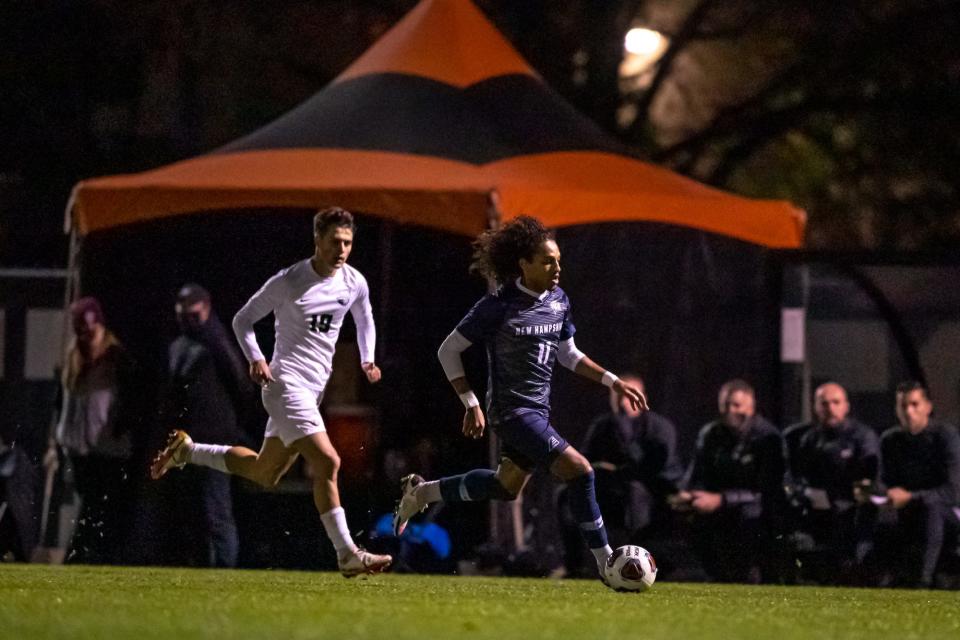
(332, 217)
(496, 252)
(737, 384)
(913, 385)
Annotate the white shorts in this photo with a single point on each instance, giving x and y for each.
(294, 412)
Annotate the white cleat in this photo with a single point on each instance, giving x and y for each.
(408, 505)
(362, 562)
(174, 454)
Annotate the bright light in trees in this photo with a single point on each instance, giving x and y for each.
(643, 42)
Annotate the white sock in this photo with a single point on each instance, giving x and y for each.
(428, 492)
(601, 554)
(210, 455)
(335, 524)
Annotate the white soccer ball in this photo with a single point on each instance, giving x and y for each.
(630, 568)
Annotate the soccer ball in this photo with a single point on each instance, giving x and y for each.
(630, 568)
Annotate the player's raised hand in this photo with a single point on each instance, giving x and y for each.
(260, 373)
(637, 400)
(473, 423)
(372, 371)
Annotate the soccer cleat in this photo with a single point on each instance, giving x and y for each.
(408, 505)
(362, 562)
(174, 454)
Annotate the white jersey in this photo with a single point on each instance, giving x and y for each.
(309, 311)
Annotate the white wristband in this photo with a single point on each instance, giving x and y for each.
(608, 379)
(469, 400)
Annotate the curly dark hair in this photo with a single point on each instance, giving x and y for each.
(497, 252)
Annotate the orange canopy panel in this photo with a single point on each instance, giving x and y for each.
(433, 192)
(583, 187)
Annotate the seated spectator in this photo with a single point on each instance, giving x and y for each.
(634, 458)
(735, 491)
(835, 454)
(920, 491)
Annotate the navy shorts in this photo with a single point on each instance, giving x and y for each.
(529, 441)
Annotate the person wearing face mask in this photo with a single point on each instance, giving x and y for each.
(206, 392)
(95, 431)
(835, 455)
(734, 490)
(919, 498)
(634, 457)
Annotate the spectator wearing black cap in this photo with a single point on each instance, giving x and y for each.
(95, 430)
(920, 475)
(207, 392)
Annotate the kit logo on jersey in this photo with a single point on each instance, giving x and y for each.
(342, 301)
(554, 442)
(538, 329)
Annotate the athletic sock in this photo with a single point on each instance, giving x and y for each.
(209, 455)
(586, 512)
(335, 524)
(472, 486)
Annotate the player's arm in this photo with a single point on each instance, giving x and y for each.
(578, 362)
(268, 298)
(366, 333)
(452, 363)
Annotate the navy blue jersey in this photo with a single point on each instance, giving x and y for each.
(521, 334)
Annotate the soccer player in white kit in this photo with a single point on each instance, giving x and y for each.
(309, 301)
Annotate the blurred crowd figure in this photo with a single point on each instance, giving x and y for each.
(95, 437)
(832, 458)
(734, 490)
(207, 390)
(919, 491)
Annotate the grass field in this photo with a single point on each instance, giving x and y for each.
(117, 602)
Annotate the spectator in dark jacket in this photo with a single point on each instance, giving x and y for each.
(920, 475)
(836, 454)
(207, 391)
(735, 491)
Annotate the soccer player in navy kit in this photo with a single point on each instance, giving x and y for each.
(526, 327)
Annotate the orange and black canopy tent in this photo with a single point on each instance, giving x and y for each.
(440, 114)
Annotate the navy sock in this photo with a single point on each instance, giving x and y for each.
(476, 485)
(586, 512)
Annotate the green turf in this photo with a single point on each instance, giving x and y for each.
(117, 602)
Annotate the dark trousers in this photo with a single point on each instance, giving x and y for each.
(200, 502)
(733, 546)
(104, 487)
(843, 539)
(910, 540)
